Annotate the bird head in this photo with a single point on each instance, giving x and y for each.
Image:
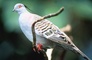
(19, 8)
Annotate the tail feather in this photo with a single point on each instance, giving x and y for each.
(81, 53)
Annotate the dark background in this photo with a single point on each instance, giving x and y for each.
(78, 14)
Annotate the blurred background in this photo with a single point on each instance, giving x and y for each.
(77, 15)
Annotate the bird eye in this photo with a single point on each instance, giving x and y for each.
(19, 6)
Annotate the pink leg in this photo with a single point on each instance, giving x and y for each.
(38, 47)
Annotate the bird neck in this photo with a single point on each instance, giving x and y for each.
(22, 11)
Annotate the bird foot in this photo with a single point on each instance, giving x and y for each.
(38, 47)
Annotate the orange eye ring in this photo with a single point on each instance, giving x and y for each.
(19, 6)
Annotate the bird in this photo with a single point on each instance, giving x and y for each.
(48, 35)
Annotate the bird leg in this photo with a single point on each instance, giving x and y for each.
(38, 47)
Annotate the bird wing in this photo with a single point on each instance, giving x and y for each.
(47, 29)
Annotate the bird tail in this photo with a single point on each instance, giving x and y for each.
(81, 53)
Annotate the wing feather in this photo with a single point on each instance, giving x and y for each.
(47, 29)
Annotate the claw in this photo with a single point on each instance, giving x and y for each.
(38, 48)
(34, 48)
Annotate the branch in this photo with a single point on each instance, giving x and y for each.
(54, 14)
(62, 55)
